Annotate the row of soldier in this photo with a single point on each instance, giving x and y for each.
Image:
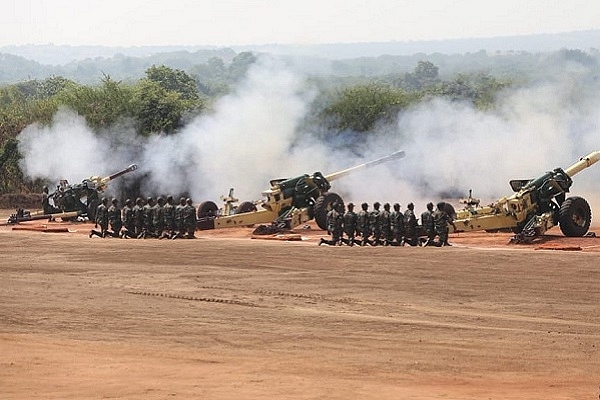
(387, 227)
(160, 219)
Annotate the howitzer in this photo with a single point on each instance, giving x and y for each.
(288, 202)
(84, 197)
(536, 206)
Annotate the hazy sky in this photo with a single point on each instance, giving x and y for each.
(235, 22)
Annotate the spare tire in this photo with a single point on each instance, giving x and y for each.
(575, 217)
(322, 207)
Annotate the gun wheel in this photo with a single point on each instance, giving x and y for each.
(575, 217)
(322, 207)
(207, 209)
(245, 206)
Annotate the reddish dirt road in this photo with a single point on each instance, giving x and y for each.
(225, 316)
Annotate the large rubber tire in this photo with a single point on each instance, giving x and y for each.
(575, 217)
(245, 206)
(323, 206)
(207, 209)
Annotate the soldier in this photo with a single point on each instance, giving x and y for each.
(101, 219)
(128, 220)
(441, 220)
(362, 224)
(148, 219)
(138, 216)
(411, 226)
(397, 225)
(46, 206)
(159, 218)
(375, 223)
(179, 233)
(168, 219)
(386, 225)
(114, 218)
(335, 225)
(350, 225)
(428, 224)
(189, 219)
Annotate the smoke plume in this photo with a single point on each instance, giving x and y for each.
(254, 135)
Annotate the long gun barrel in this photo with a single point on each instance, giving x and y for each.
(336, 175)
(583, 163)
(100, 182)
(109, 178)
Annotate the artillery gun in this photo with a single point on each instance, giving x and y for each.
(536, 206)
(83, 197)
(287, 203)
(72, 201)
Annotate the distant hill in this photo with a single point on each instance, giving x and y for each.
(582, 40)
(50, 54)
(88, 64)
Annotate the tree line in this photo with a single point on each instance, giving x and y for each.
(165, 98)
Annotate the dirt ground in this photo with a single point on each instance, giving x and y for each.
(226, 316)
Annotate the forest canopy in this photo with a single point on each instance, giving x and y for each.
(354, 97)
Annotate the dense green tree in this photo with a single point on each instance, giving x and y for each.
(212, 78)
(424, 75)
(163, 100)
(240, 64)
(21, 105)
(173, 80)
(480, 89)
(102, 105)
(157, 109)
(360, 107)
(11, 177)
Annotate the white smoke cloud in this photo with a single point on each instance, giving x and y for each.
(243, 144)
(65, 149)
(253, 136)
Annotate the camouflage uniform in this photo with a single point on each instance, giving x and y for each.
(441, 220)
(101, 219)
(148, 219)
(189, 219)
(362, 224)
(168, 219)
(386, 225)
(397, 225)
(159, 217)
(46, 206)
(114, 218)
(138, 216)
(411, 235)
(350, 225)
(335, 225)
(428, 224)
(179, 226)
(375, 223)
(128, 220)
